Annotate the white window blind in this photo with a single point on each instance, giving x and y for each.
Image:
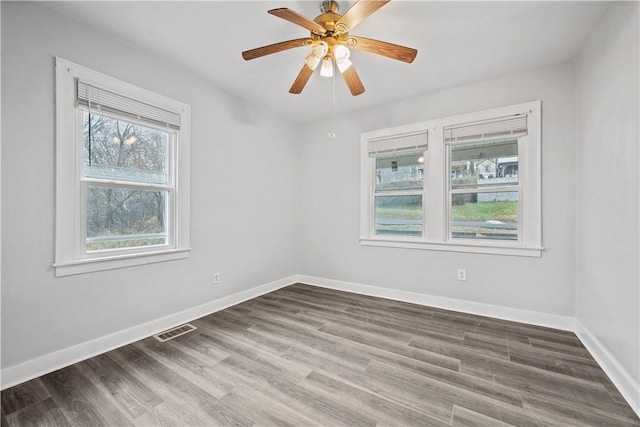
(414, 141)
(501, 128)
(503, 147)
(106, 101)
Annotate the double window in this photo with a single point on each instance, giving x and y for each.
(122, 174)
(468, 183)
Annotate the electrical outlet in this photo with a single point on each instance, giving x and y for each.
(462, 274)
(216, 278)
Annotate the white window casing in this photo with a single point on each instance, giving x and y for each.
(79, 89)
(501, 127)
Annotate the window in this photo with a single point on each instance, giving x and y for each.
(122, 183)
(397, 190)
(468, 183)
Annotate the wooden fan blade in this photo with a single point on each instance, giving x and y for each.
(274, 48)
(298, 19)
(353, 81)
(301, 80)
(357, 13)
(390, 50)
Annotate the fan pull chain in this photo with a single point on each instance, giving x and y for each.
(332, 129)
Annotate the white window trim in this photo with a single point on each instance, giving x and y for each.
(436, 194)
(69, 257)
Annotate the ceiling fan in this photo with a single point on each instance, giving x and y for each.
(330, 42)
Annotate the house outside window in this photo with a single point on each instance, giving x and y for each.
(474, 187)
(122, 182)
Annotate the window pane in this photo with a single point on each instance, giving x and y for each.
(484, 163)
(399, 215)
(119, 149)
(122, 218)
(485, 215)
(401, 171)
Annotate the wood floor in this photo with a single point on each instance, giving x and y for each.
(304, 356)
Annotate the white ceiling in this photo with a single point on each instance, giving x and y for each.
(457, 42)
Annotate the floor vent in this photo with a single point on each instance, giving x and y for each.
(174, 332)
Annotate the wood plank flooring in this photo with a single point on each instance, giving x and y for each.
(307, 356)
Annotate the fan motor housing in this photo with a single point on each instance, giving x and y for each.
(329, 18)
(328, 21)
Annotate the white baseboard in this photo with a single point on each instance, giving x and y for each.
(499, 312)
(624, 382)
(34, 368)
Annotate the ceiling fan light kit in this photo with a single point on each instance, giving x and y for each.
(330, 41)
(327, 68)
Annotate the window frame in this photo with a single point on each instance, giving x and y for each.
(437, 187)
(71, 256)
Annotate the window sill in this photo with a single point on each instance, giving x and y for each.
(117, 261)
(469, 247)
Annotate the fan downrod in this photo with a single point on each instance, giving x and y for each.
(329, 6)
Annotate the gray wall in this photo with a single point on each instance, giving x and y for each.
(328, 233)
(242, 196)
(607, 158)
